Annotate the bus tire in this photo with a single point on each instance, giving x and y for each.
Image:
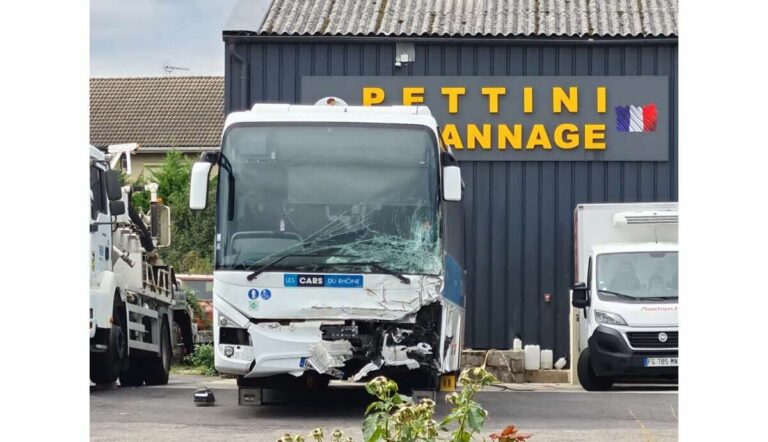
(587, 377)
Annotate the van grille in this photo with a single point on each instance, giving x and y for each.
(651, 340)
(660, 219)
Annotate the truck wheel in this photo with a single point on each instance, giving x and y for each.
(105, 366)
(587, 377)
(133, 376)
(157, 367)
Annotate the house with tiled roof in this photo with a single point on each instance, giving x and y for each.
(158, 113)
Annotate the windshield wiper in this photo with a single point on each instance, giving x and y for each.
(311, 253)
(617, 294)
(665, 298)
(404, 279)
(268, 265)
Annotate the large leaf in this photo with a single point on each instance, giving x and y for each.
(373, 427)
(475, 417)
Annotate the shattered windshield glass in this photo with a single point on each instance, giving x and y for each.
(327, 196)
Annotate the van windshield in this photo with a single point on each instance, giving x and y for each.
(637, 276)
(330, 196)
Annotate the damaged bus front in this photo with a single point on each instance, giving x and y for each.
(338, 243)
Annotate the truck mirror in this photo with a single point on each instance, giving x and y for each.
(160, 217)
(198, 185)
(580, 295)
(452, 183)
(114, 191)
(116, 208)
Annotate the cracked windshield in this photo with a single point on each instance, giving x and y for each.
(637, 275)
(340, 198)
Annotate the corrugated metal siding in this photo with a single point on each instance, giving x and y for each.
(472, 17)
(518, 214)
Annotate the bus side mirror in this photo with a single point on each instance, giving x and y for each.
(114, 191)
(198, 185)
(580, 295)
(452, 183)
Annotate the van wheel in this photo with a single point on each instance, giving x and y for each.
(587, 377)
(157, 367)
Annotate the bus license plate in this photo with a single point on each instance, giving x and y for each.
(660, 362)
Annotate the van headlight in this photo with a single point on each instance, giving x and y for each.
(609, 318)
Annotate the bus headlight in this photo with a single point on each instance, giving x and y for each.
(229, 351)
(609, 318)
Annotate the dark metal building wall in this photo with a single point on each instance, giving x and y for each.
(518, 214)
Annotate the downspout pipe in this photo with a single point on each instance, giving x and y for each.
(244, 75)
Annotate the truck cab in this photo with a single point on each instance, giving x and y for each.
(137, 317)
(626, 296)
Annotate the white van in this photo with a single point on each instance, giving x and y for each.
(625, 297)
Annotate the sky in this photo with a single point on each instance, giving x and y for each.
(136, 38)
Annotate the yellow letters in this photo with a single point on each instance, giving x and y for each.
(567, 136)
(413, 95)
(513, 138)
(493, 97)
(560, 99)
(474, 136)
(451, 137)
(538, 138)
(594, 136)
(601, 100)
(372, 95)
(453, 97)
(528, 100)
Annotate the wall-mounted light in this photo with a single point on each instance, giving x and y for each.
(404, 53)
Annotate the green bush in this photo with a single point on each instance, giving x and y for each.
(202, 358)
(194, 304)
(397, 418)
(192, 232)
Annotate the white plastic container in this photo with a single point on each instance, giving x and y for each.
(517, 344)
(532, 357)
(560, 363)
(546, 359)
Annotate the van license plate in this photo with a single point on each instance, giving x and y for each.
(660, 362)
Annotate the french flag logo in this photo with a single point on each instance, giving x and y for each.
(637, 118)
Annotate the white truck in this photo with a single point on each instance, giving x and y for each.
(625, 298)
(136, 315)
(338, 243)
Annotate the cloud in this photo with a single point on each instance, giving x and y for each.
(138, 37)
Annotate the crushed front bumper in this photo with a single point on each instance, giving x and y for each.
(273, 349)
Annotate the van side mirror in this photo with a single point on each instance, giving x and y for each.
(116, 208)
(114, 191)
(198, 185)
(580, 295)
(452, 183)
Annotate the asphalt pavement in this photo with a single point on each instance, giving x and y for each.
(551, 412)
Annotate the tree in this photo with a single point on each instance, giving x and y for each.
(192, 232)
